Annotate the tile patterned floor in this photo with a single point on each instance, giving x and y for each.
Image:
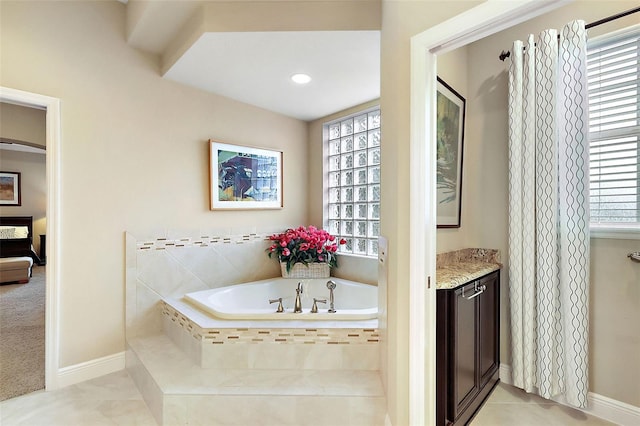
(511, 406)
(114, 400)
(109, 400)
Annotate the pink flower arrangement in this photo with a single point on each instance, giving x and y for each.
(305, 245)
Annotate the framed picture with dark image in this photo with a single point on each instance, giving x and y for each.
(10, 194)
(244, 177)
(450, 111)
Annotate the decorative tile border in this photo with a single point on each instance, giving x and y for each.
(204, 241)
(330, 336)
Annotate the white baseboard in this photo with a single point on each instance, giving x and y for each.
(90, 370)
(597, 405)
(505, 374)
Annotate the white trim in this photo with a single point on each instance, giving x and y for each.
(483, 20)
(53, 131)
(603, 38)
(505, 374)
(387, 420)
(91, 369)
(615, 232)
(615, 411)
(600, 406)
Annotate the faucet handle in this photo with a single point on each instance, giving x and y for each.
(279, 300)
(314, 308)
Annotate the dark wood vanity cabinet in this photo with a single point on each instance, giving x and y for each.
(468, 348)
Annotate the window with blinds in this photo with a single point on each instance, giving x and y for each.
(613, 70)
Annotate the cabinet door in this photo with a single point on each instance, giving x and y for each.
(489, 327)
(465, 378)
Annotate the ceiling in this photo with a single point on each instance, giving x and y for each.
(255, 68)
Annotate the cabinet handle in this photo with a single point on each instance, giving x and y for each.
(478, 291)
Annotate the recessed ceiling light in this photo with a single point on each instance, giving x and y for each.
(300, 78)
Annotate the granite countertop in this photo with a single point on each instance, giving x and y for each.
(459, 267)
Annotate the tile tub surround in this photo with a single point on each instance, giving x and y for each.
(256, 345)
(185, 377)
(459, 267)
(171, 266)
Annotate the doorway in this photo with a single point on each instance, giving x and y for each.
(52, 245)
(22, 303)
(483, 20)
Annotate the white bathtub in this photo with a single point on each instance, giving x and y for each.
(353, 301)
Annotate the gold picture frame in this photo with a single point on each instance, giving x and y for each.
(245, 177)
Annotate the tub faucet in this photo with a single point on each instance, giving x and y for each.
(297, 308)
(331, 285)
(314, 308)
(279, 300)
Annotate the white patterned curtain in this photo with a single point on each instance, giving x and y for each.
(549, 214)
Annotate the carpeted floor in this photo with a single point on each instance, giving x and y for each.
(22, 336)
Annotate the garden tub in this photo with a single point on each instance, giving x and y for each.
(250, 301)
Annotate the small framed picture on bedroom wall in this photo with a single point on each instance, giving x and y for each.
(450, 110)
(10, 189)
(244, 177)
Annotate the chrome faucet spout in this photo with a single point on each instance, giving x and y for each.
(297, 308)
(331, 285)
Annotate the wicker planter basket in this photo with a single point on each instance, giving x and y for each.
(300, 270)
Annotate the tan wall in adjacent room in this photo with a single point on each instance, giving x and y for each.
(19, 123)
(33, 186)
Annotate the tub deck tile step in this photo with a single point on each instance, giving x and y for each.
(175, 374)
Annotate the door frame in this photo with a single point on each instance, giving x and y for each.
(486, 19)
(52, 302)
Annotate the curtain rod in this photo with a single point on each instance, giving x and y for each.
(504, 55)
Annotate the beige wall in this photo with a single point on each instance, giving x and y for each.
(615, 295)
(134, 154)
(400, 21)
(23, 124)
(452, 68)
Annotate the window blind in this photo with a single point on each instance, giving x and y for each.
(613, 73)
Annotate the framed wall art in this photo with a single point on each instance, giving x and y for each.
(245, 177)
(10, 194)
(450, 111)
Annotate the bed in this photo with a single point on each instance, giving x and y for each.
(16, 237)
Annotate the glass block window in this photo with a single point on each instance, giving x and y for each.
(352, 183)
